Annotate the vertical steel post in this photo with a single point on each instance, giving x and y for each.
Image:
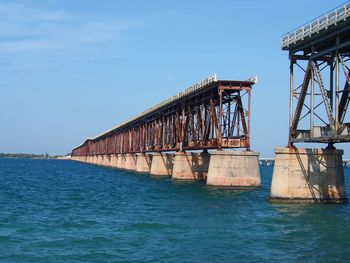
(291, 95)
(220, 120)
(312, 105)
(336, 93)
(248, 125)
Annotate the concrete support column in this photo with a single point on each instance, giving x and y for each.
(162, 164)
(104, 159)
(234, 168)
(113, 161)
(130, 162)
(99, 159)
(190, 166)
(121, 161)
(308, 175)
(143, 162)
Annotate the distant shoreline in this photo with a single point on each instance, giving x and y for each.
(31, 156)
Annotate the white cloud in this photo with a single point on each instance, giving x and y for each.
(31, 29)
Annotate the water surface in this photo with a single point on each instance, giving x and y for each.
(65, 211)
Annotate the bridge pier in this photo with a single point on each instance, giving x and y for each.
(113, 161)
(106, 160)
(234, 168)
(190, 166)
(93, 159)
(162, 164)
(121, 161)
(130, 162)
(143, 162)
(308, 175)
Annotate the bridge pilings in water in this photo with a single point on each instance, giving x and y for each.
(218, 168)
(190, 166)
(162, 164)
(305, 175)
(234, 168)
(143, 162)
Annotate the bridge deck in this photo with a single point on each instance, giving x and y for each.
(318, 31)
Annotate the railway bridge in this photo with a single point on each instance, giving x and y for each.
(202, 133)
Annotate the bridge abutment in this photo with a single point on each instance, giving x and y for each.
(305, 175)
(190, 166)
(162, 164)
(234, 168)
(143, 162)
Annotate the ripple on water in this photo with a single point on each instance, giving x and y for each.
(63, 211)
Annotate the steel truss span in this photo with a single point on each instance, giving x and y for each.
(320, 83)
(213, 114)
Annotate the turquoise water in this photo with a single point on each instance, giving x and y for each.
(64, 211)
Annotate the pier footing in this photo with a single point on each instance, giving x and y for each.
(162, 164)
(190, 166)
(307, 175)
(113, 161)
(143, 162)
(121, 159)
(234, 168)
(130, 162)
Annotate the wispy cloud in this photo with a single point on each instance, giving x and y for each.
(26, 28)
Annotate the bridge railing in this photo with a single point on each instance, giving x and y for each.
(331, 18)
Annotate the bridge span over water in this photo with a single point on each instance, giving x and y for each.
(173, 137)
(215, 115)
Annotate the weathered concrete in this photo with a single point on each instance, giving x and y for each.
(130, 162)
(143, 163)
(308, 175)
(234, 168)
(105, 160)
(121, 161)
(162, 164)
(94, 159)
(113, 161)
(190, 166)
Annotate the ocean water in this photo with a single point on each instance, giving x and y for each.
(65, 211)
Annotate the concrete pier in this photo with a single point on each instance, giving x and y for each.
(130, 162)
(308, 175)
(143, 162)
(162, 164)
(106, 160)
(113, 161)
(234, 168)
(190, 166)
(121, 161)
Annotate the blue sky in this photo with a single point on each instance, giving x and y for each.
(73, 69)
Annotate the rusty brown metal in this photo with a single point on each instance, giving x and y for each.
(213, 117)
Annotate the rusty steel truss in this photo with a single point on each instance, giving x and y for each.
(320, 79)
(212, 115)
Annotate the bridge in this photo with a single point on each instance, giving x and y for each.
(319, 97)
(190, 136)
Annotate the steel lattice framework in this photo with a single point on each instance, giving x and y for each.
(320, 55)
(213, 114)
